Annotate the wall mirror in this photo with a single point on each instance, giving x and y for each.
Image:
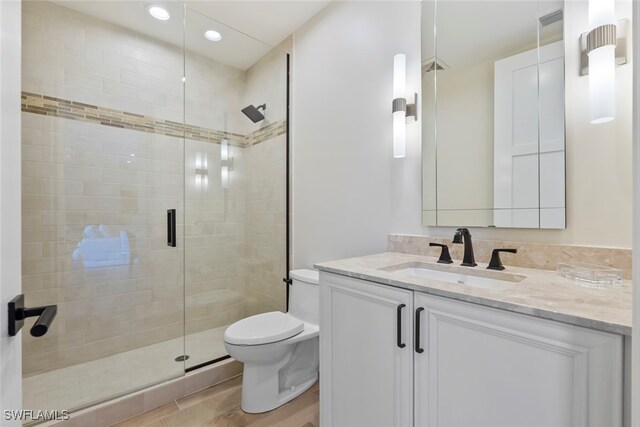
(493, 114)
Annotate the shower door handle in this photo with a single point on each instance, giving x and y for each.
(171, 228)
(18, 312)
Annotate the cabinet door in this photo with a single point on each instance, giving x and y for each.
(488, 367)
(366, 353)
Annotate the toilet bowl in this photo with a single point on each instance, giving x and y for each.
(279, 350)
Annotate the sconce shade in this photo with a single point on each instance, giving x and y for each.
(602, 60)
(601, 12)
(224, 150)
(399, 134)
(224, 164)
(399, 107)
(399, 75)
(224, 176)
(201, 172)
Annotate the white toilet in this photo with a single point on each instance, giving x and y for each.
(279, 350)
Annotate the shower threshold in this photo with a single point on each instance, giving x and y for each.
(85, 384)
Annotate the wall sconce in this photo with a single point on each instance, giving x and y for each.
(604, 47)
(400, 109)
(226, 163)
(202, 172)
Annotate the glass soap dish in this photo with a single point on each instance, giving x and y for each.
(590, 274)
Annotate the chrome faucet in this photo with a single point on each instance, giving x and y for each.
(463, 235)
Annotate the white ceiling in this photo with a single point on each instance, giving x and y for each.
(475, 31)
(266, 20)
(249, 28)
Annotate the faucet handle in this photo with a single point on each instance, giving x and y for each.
(496, 263)
(445, 257)
(457, 237)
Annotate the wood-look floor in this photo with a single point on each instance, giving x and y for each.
(220, 406)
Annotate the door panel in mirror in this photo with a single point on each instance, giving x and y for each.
(493, 116)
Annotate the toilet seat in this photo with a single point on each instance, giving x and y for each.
(263, 328)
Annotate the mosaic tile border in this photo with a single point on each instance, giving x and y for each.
(272, 130)
(73, 110)
(544, 256)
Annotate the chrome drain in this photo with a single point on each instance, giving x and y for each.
(182, 358)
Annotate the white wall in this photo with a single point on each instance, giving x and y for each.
(10, 347)
(345, 180)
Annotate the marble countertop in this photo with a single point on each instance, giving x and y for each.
(541, 293)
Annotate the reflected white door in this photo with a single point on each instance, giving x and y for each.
(552, 136)
(529, 139)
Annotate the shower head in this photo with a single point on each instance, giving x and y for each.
(254, 112)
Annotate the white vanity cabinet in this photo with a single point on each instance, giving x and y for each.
(366, 354)
(463, 364)
(488, 367)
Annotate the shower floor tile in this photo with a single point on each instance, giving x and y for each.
(91, 382)
(205, 346)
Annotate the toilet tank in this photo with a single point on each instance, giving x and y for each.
(304, 295)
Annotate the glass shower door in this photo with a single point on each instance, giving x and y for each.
(102, 163)
(235, 182)
(122, 124)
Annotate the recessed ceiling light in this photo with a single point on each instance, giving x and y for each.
(158, 12)
(212, 35)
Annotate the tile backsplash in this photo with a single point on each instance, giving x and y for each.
(530, 255)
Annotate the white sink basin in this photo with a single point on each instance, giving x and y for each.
(462, 279)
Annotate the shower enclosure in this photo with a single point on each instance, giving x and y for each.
(131, 125)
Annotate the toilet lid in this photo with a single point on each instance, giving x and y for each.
(263, 329)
